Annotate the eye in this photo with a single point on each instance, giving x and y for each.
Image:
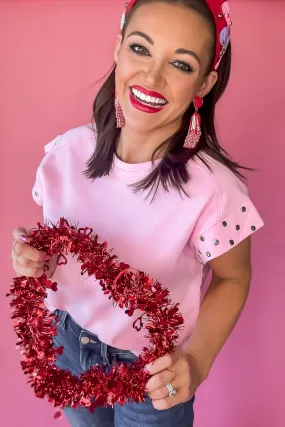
(139, 50)
(183, 66)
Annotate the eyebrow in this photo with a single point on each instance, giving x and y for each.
(179, 51)
(189, 52)
(143, 35)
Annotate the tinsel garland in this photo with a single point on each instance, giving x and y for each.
(132, 290)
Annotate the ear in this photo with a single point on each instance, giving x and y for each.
(208, 84)
(117, 47)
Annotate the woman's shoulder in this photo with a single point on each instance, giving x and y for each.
(77, 140)
(65, 155)
(213, 176)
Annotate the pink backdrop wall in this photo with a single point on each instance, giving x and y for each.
(52, 52)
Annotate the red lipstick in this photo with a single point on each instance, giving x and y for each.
(143, 105)
(149, 92)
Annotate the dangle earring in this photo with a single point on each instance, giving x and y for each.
(194, 131)
(119, 114)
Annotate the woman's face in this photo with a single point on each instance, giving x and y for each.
(161, 64)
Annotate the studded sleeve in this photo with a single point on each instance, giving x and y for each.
(231, 230)
(229, 218)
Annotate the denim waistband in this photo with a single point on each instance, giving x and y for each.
(88, 340)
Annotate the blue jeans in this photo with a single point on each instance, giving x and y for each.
(82, 350)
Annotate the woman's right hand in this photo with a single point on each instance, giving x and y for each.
(28, 261)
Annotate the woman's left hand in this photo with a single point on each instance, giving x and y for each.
(181, 370)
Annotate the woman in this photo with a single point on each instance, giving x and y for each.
(160, 190)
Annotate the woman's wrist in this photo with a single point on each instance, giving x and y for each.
(201, 371)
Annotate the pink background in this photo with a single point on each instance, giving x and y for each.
(52, 53)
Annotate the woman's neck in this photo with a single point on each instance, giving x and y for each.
(138, 147)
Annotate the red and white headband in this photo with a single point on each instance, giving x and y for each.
(221, 12)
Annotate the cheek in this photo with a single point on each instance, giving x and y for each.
(183, 95)
(183, 89)
(124, 71)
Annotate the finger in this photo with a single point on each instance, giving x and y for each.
(28, 272)
(28, 263)
(162, 392)
(159, 381)
(168, 402)
(162, 363)
(27, 251)
(21, 234)
(14, 250)
(52, 265)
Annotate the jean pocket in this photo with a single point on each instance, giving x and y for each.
(125, 356)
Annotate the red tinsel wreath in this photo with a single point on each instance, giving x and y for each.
(130, 289)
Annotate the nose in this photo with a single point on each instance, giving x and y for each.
(154, 76)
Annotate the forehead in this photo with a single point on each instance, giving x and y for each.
(176, 26)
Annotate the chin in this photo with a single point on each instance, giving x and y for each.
(141, 124)
(141, 121)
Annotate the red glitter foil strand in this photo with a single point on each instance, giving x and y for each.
(130, 289)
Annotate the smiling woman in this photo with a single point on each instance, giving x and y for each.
(170, 45)
(153, 135)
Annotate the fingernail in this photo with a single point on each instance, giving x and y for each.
(23, 238)
(146, 368)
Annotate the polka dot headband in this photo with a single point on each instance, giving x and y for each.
(221, 12)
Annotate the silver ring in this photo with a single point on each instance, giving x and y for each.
(171, 391)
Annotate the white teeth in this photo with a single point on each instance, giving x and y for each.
(148, 99)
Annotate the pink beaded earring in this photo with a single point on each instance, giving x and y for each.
(194, 131)
(119, 113)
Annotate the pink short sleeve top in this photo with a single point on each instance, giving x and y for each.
(171, 238)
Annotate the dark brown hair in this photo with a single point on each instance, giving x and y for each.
(172, 171)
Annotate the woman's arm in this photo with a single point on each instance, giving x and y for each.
(219, 312)
(222, 305)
